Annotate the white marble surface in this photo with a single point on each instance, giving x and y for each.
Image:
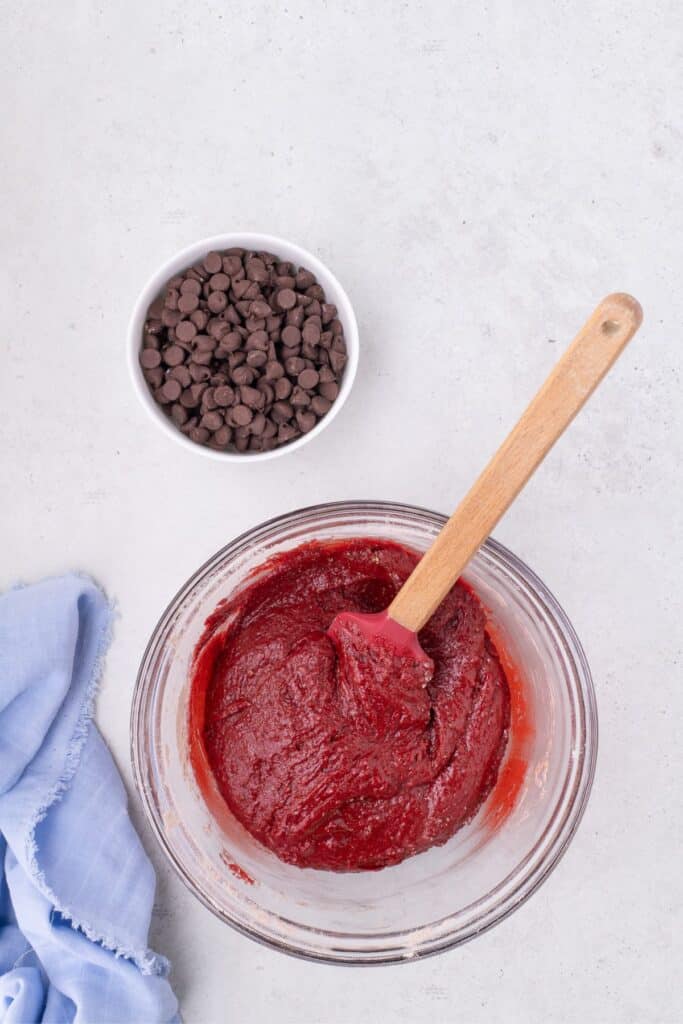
(478, 176)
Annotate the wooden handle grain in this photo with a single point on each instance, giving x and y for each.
(593, 351)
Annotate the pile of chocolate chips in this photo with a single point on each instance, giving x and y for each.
(242, 351)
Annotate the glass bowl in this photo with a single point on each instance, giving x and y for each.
(432, 901)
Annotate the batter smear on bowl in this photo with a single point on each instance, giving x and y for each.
(333, 753)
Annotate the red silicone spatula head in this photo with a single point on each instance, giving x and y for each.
(379, 626)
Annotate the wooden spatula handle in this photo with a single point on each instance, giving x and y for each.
(569, 385)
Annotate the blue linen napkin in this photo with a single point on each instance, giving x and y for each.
(76, 887)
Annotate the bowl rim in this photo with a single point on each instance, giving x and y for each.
(185, 257)
(572, 814)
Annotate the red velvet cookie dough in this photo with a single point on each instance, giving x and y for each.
(334, 754)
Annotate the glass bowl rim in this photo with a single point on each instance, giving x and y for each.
(565, 830)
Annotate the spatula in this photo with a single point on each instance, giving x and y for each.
(574, 378)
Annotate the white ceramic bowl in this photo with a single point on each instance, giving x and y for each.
(186, 258)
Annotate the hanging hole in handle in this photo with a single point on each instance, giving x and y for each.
(610, 326)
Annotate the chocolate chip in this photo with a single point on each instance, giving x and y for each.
(329, 391)
(149, 358)
(311, 332)
(300, 399)
(256, 359)
(239, 289)
(219, 282)
(232, 265)
(231, 316)
(306, 420)
(260, 308)
(199, 318)
(257, 340)
(243, 375)
(281, 412)
(241, 415)
(308, 378)
(287, 432)
(174, 355)
(216, 328)
(190, 285)
(224, 396)
(170, 317)
(251, 397)
(204, 343)
(295, 317)
(223, 436)
(217, 302)
(188, 400)
(185, 331)
(198, 373)
(274, 370)
(190, 422)
(202, 357)
(200, 435)
(212, 420)
(337, 360)
(236, 359)
(231, 342)
(320, 405)
(291, 335)
(187, 302)
(258, 423)
(155, 377)
(209, 400)
(171, 390)
(294, 365)
(283, 388)
(304, 279)
(256, 269)
(179, 415)
(213, 262)
(286, 298)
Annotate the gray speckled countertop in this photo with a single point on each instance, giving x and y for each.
(477, 176)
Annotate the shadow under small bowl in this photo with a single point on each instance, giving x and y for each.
(432, 901)
(184, 259)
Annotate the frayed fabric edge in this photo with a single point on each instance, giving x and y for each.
(148, 962)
